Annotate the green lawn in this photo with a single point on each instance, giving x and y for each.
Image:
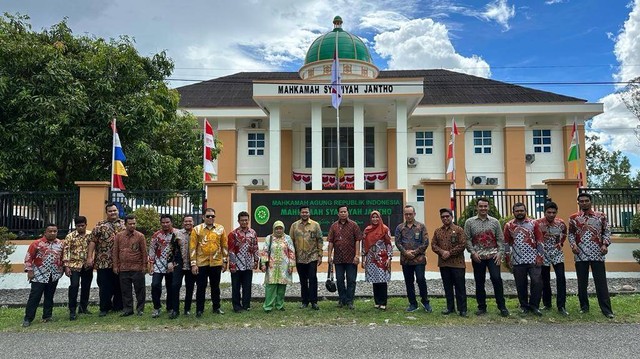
(625, 307)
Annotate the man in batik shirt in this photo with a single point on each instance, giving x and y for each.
(100, 257)
(485, 242)
(344, 251)
(43, 264)
(307, 240)
(524, 250)
(76, 245)
(243, 259)
(554, 233)
(182, 268)
(161, 264)
(590, 237)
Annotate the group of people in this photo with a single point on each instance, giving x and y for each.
(199, 254)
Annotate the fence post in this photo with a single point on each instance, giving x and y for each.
(221, 196)
(564, 193)
(93, 196)
(437, 194)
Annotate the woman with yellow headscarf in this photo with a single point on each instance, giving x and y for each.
(277, 260)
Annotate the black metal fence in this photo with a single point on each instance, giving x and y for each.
(26, 213)
(503, 199)
(619, 204)
(176, 203)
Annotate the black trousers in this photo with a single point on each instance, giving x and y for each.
(135, 279)
(80, 279)
(380, 293)
(561, 285)
(415, 273)
(109, 289)
(37, 290)
(479, 274)
(520, 273)
(241, 280)
(156, 290)
(176, 285)
(453, 281)
(211, 275)
(308, 273)
(599, 279)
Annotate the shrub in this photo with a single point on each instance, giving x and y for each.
(470, 211)
(635, 224)
(636, 255)
(6, 249)
(147, 221)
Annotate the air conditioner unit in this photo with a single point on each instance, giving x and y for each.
(256, 123)
(477, 180)
(412, 161)
(257, 182)
(530, 158)
(492, 181)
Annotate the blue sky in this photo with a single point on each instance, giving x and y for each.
(543, 44)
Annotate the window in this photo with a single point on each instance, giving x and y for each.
(482, 141)
(420, 195)
(329, 147)
(542, 141)
(484, 193)
(424, 142)
(256, 144)
(369, 185)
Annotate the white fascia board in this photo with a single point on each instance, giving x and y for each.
(238, 112)
(586, 109)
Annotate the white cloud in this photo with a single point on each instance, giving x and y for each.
(423, 43)
(500, 12)
(553, 2)
(627, 48)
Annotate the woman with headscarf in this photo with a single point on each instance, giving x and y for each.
(377, 252)
(277, 260)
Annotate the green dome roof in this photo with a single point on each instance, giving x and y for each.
(349, 46)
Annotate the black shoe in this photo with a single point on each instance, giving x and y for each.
(351, 307)
(237, 310)
(504, 312)
(126, 314)
(463, 314)
(156, 313)
(609, 315)
(47, 320)
(446, 312)
(546, 307)
(427, 307)
(304, 305)
(72, 316)
(140, 313)
(536, 312)
(199, 314)
(218, 311)
(281, 309)
(174, 314)
(26, 323)
(103, 313)
(187, 313)
(523, 311)
(584, 311)
(481, 312)
(563, 311)
(340, 305)
(314, 306)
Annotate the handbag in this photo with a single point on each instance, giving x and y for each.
(331, 284)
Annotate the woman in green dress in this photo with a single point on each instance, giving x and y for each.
(277, 260)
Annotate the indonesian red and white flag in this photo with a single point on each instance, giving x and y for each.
(209, 147)
(450, 152)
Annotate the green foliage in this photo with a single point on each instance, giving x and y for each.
(504, 220)
(471, 211)
(60, 91)
(6, 249)
(636, 255)
(147, 220)
(635, 223)
(607, 169)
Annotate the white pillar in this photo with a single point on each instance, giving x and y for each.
(401, 144)
(274, 147)
(358, 145)
(316, 146)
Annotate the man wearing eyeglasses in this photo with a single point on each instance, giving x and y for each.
(412, 241)
(209, 257)
(448, 243)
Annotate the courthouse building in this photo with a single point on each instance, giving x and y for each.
(279, 129)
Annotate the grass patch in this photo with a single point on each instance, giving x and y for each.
(625, 307)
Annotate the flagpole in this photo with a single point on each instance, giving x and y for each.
(113, 149)
(338, 174)
(204, 156)
(453, 155)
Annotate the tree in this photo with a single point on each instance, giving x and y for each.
(58, 94)
(630, 95)
(608, 169)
